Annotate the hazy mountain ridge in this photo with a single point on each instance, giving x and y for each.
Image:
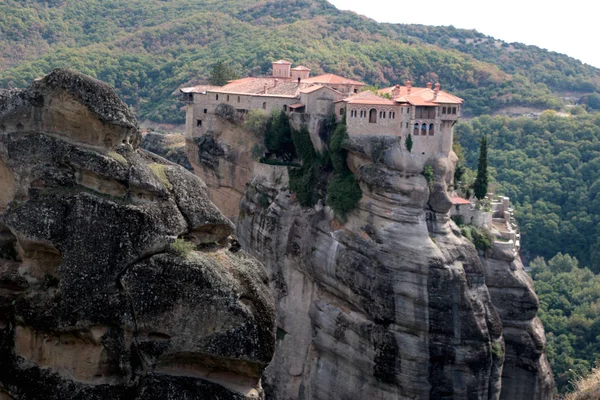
(147, 49)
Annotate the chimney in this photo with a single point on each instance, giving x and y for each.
(408, 87)
(436, 90)
(276, 80)
(429, 85)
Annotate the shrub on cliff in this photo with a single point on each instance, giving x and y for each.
(307, 180)
(278, 136)
(343, 192)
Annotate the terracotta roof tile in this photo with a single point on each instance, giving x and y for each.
(282, 62)
(368, 97)
(457, 200)
(421, 96)
(301, 68)
(332, 79)
(275, 86)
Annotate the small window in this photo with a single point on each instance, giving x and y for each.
(217, 97)
(453, 110)
(443, 110)
(205, 110)
(431, 130)
(355, 90)
(407, 124)
(227, 97)
(199, 122)
(285, 108)
(341, 111)
(264, 105)
(239, 99)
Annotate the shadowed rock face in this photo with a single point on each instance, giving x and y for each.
(393, 304)
(93, 303)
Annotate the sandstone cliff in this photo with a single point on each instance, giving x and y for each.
(394, 303)
(98, 300)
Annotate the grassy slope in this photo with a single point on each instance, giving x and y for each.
(149, 48)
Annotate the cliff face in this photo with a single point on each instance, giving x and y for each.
(393, 304)
(95, 301)
(527, 373)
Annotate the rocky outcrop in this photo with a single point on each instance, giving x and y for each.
(224, 161)
(392, 303)
(526, 373)
(170, 146)
(118, 277)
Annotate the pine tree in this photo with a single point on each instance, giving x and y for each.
(480, 187)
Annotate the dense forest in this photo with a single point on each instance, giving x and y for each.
(147, 49)
(549, 167)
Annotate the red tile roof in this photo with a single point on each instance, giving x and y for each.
(282, 62)
(421, 96)
(314, 88)
(332, 79)
(368, 97)
(301, 68)
(456, 200)
(275, 86)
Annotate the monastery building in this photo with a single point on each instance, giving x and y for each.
(428, 114)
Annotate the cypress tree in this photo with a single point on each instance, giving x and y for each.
(480, 187)
(409, 143)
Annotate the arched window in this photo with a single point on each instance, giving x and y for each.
(372, 116)
(264, 105)
(424, 129)
(431, 129)
(341, 111)
(416, 130)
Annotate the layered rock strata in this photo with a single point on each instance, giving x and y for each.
(393, 303)
(98, 299)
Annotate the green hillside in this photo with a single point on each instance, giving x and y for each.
(549, 167)
(149, 48)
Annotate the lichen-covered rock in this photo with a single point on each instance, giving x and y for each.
(392, 304)
(96, 299)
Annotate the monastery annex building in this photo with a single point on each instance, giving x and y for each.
(428, 114)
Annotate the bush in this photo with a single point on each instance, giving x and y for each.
(278, 136)
(428, 174)
(343, 194)
(225, 111)
(181, 248)
(256, 122)
(479, 237)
